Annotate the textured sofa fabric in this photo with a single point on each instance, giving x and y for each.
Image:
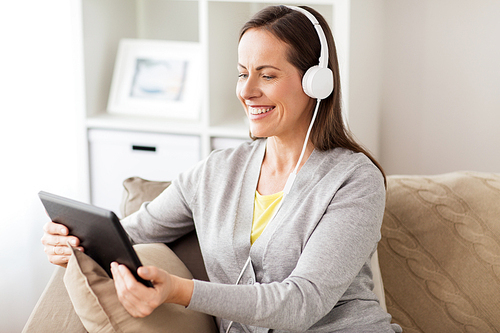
(54, 311)
(440, 252)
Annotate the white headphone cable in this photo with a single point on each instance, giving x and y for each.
(293, 175)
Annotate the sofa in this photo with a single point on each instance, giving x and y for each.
(437, 267)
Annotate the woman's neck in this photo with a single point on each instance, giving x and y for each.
(279, 162)
(283, 156)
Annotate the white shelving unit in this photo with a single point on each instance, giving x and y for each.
(213, 24)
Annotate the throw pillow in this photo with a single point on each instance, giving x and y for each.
(137, 191)
(95, 300)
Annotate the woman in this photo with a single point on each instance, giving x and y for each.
(280, 257)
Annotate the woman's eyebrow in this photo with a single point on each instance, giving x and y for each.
(267, 66)
(260, 67)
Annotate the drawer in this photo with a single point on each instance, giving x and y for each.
(117, 155)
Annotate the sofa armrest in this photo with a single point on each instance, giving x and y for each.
(54, 311)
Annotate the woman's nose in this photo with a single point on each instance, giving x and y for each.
(249, 89)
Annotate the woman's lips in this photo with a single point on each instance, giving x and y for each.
(258, 110)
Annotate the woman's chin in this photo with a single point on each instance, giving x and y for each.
(258, 135)
(258, 132)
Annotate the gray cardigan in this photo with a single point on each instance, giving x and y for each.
(310, 269)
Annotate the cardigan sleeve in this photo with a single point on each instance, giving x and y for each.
(341, 244)
(167, 217)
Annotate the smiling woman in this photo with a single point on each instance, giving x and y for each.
(288, 223)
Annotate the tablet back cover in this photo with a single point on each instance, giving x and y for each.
(99, 230)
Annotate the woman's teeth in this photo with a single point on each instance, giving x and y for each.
(253, 110)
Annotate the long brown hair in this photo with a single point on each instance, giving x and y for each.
(296, 30)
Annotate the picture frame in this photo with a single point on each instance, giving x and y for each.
(156, 78)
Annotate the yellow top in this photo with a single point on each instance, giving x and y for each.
(264, 208)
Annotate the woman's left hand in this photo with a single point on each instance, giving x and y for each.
(140, 300)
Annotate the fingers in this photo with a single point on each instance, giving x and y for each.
(62, 250)
(55, 228)
(127, 290)
(136, 298)
(55, 240)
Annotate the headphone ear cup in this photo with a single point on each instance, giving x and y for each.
(317, 82)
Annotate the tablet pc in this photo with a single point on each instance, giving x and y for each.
(99, 230)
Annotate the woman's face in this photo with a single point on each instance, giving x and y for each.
(270, 88)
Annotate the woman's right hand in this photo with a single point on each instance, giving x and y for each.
(55, 239)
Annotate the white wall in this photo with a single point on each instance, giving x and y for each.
(39, 134)
(441, 88)
(365, 72)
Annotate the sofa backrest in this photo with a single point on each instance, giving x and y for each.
(440, 252)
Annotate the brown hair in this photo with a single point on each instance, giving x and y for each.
(296, 30)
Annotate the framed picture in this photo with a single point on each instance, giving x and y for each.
(156, 78)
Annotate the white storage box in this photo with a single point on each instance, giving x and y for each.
(117, 155)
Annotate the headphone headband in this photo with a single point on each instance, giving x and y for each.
(323, 58)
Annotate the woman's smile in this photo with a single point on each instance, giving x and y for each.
(259, 110)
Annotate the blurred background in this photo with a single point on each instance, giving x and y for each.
(438, 95)
(38, 135)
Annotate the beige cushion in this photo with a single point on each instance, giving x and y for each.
(95, 301)
(440, 252)
(137, 191)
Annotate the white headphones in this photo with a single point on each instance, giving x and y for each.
(317, 81)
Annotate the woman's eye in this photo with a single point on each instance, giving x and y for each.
(242, 75)
(268, 77)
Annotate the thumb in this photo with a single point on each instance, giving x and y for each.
(150, 273)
